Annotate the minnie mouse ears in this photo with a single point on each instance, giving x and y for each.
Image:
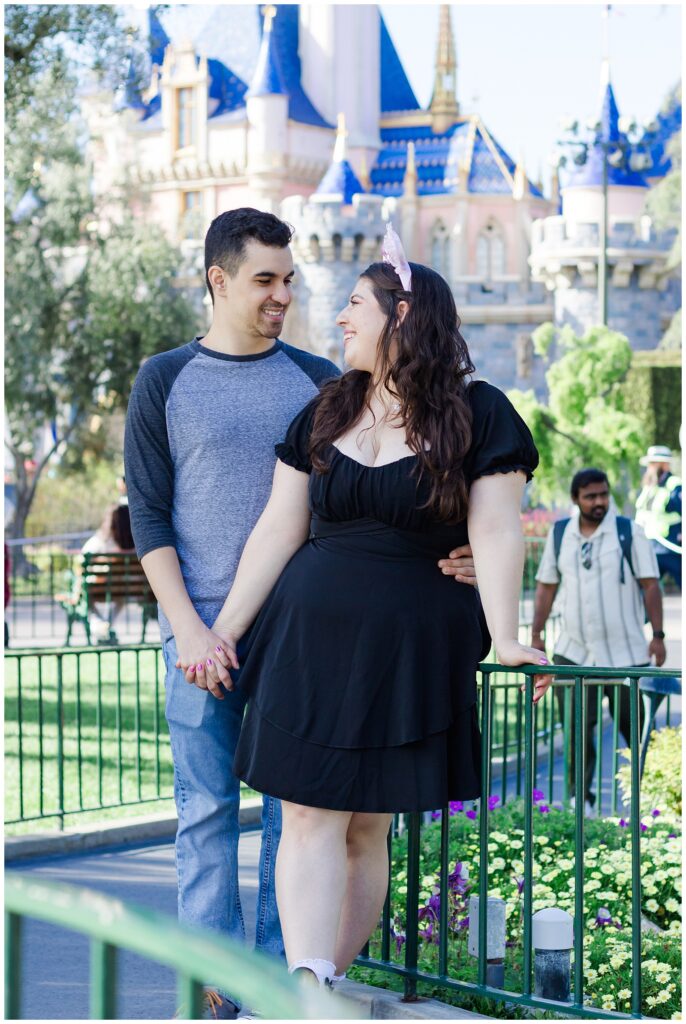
(392, 252)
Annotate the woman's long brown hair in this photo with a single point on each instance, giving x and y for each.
(428, 377)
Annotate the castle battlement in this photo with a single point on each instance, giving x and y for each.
(327, 231)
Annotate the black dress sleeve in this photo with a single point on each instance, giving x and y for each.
(294, 449)
(501, 440)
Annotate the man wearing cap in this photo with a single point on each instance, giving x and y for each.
(658, 509)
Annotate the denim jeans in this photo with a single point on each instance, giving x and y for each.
(204, 733)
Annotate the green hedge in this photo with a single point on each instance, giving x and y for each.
(652, 392)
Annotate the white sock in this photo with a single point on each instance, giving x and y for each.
(323, 970)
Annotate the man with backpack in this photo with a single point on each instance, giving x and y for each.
(609, 588)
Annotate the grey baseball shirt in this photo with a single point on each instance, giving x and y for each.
(199, 452)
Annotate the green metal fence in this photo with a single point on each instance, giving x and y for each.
(407, 909)
(197, 957)
(84, 730)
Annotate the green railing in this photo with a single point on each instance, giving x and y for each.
(406, 909)
(198, 957)
(84, 730)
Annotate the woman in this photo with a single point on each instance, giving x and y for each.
(361, 667)
(113, 536)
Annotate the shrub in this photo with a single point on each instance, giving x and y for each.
(661, 782)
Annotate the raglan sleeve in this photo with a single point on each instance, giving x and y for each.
(148, 462)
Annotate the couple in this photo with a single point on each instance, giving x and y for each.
(357, 654)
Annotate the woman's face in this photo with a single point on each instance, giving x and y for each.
(363, 322)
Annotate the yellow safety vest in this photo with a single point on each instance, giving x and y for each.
(651, 507)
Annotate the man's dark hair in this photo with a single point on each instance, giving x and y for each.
(225, 241)
(587, 476)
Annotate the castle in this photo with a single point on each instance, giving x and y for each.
(306, 110)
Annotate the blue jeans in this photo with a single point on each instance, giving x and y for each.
(204, 733)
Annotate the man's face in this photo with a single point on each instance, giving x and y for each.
(259, 295)
(593, 502)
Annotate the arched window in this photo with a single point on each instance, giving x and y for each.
(490, 252)
(441, 254)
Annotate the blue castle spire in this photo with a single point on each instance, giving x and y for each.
(340, 179)
(608, 131)
(268, 79)
(158, 40)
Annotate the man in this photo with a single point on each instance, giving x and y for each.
(202, 423)
(610, 580)
(658, 510)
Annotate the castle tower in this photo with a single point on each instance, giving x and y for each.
(267, 110)
(409, 205)
(565, 249)
(338, 232)
(444, 107)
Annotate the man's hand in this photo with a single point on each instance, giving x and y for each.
(460, 565)
(537, 642)
(657, 650)
(205, 658)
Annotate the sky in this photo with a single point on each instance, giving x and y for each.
(525, 67)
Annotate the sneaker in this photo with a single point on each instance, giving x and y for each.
(589, 809)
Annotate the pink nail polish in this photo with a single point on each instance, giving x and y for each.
(199, 668)
(544, 661)
(209, 661)
(218, 649)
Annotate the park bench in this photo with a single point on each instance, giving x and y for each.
(111, 579)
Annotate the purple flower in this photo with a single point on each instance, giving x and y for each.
(519, 879)
(655, 813)
(464, 923)
(544, 809)
(603, 918)
(399, 939)
(623, 823)
(435, 815)
(471, 814)
(672, 835)
(493, 802)
(457, 882)
(538, 795)
(644, 828)
(456, 806)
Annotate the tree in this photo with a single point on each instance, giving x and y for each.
(664, 206)
(85, 300)
(584, 422)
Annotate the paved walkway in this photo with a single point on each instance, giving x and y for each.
(55, 963)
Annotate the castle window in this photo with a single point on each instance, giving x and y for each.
(441, 255)
(185, 118)
(191, 215)
(490, 252)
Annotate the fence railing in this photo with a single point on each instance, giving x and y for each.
(197, 957)
(423, 857)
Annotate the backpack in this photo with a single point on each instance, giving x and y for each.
(623, 535)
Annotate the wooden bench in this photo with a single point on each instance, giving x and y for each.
(111, 579)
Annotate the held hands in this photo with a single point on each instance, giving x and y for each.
(511, 652)
(460, 565)
(205, 655)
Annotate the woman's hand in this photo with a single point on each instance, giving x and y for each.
(511, 652)
(205, 657)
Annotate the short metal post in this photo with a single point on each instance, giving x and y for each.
(494, 950)
(553, 941)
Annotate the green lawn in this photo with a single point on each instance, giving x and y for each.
(115, 739)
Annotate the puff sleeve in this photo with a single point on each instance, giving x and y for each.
(294, 449)
(501, 440)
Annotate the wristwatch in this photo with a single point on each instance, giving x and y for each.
(658, 634)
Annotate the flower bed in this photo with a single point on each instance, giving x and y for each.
(607, 899)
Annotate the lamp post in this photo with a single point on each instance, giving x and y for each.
(627, 152)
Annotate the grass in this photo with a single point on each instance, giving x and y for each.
(115, 747)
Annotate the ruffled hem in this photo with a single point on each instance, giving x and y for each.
(505, 467)
(420, 776)
(286, 454)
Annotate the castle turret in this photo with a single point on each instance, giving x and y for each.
(409, 205)
(338, 232)
(267, 109)
(444, 107)
(566, 249)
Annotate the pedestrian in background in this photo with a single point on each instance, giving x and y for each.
(658, 510)
(609, 580)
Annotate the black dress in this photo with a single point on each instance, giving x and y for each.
(361, 667)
